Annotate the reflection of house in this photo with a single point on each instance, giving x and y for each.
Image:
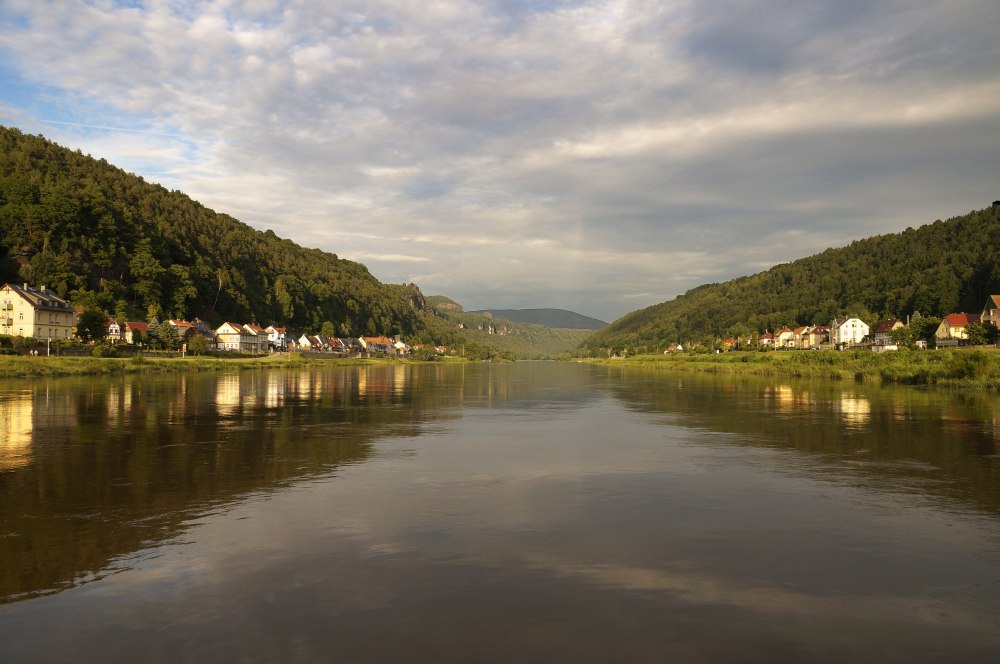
(27, 311)
(954, 326)
(16, 426)
(848, 331)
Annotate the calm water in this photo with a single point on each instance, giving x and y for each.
(519, 513)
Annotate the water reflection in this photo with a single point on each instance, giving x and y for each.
(427, 513)
(15, 429)
(937, 442)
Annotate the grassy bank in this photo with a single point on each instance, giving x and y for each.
(27, 367)
(963, 368)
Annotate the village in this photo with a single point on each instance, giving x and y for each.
(852, 333)
(39, 314)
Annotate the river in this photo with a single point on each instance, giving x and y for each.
(529, 512)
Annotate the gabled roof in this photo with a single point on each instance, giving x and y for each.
(255, 328)
(887, 325)
(179, 323)
(40, 298)
(994, 300)
(137, 325)
(961, 320)
(802, 330)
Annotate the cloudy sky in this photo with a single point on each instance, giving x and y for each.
(598, 156)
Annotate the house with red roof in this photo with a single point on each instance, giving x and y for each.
(133, 326)
(991, 311)
(954, 326)
(881, 335)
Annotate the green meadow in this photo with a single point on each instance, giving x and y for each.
(963, 368)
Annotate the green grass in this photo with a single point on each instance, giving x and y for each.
(21, 367)
(963, 368)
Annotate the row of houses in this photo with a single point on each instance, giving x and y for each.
(39, 313)
(852, 331)
(254, 339)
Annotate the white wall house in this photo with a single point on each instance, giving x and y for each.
(39, 313)
(849, 331)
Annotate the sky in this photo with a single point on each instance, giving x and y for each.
(597, 156)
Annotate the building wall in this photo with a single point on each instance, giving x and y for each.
(19, 317)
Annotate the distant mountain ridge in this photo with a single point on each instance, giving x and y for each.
(548, 317)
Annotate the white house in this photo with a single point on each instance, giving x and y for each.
(276, 337)
(848, 331)
(26, 311)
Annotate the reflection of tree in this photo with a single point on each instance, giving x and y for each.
(120, 466)
(924, 441)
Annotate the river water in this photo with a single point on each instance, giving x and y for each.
(530, 512)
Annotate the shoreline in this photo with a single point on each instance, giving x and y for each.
(38, 367)
(967, 369)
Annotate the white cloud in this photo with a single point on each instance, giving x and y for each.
(616, 146)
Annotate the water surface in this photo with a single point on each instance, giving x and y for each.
(527, 512)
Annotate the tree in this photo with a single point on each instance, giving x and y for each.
(197, 345)
(147, 272)
(980, 334)
(328, 329)
(903, 336)
(167, 337)
(137, 337)
(90, 327)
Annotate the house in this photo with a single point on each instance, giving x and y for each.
(818, 335)
(953, 326)
(38, 313)
(276, 337)
(114, 331)
(881, 335)
(767, 339)
(377, 345)
(182, 329)
(257, 336)
(233, 336)
(304, 343)
(848, 331)
(991, 311)
(784, 338)
(801, 337)
(131, 328)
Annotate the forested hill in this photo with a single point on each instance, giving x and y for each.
(943, 267)
(107, 239)
(548, 317)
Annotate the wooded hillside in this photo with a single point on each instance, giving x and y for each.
(109, 240)
(940, 268)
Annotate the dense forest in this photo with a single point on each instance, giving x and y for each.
(940, 268)
(108, 240)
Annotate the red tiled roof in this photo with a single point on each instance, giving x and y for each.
(961, 320)
(136, 325)
(886, 325)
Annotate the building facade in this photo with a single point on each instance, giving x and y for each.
(39, 313)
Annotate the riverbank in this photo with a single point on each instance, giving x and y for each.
(29, 367)
(960, 368)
